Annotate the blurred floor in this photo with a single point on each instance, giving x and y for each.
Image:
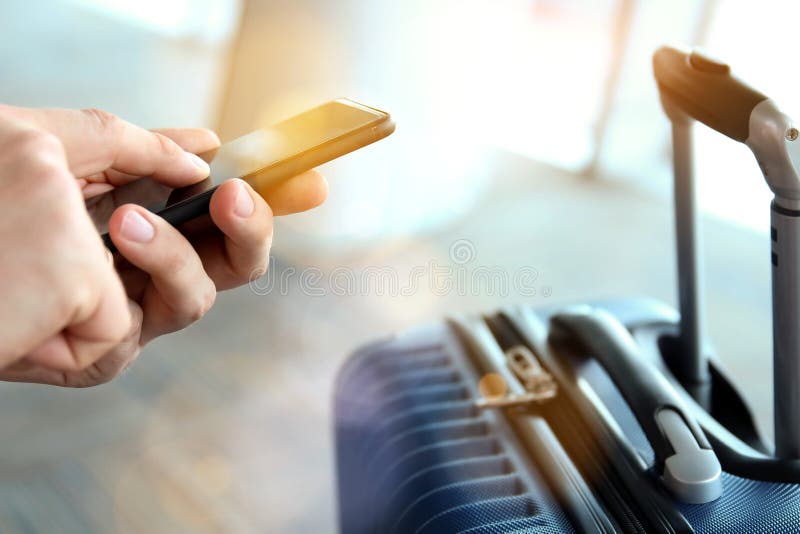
(227, 425)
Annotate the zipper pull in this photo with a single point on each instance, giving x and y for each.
(529, 371)
(538, 383)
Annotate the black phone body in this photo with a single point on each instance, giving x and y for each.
(271, 155)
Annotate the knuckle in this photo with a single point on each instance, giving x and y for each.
(174, 264)
(36, 145)
(71, 297)
(165, 144)
(202, 303)
(56, 179)
(195, 306)
(258, 271)
(105, 121)
(40, 156)
(109, 126)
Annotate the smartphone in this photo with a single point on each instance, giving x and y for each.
(268, 156)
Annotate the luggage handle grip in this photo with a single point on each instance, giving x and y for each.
(704, 89)
(690, 469)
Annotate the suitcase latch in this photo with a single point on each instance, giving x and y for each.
(523, 364)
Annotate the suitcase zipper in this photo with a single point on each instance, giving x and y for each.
(635, 504)
(507, 395)
(540, 387)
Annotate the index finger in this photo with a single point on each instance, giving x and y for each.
(200, 141)
(96, 141)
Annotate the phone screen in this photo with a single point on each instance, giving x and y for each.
(257, 152)
(263, 148)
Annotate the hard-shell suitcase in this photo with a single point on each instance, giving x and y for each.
(609, 417)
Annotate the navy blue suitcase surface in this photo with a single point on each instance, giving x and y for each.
(612, 417)
(417, 451)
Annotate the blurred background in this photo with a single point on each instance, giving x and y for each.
(529, 132)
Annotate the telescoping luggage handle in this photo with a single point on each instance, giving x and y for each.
(684, 458)
(695, 86)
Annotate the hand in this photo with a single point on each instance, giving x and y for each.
(170, 280)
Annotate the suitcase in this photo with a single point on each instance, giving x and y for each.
(603, 417)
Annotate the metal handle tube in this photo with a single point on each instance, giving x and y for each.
(693, 365)
(786, 330)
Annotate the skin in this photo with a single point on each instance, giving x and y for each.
(71, 313)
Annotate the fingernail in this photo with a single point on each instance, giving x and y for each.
(243, 206)
(198, 162)
(136, 228)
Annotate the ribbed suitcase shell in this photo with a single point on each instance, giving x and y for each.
(414, 455)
